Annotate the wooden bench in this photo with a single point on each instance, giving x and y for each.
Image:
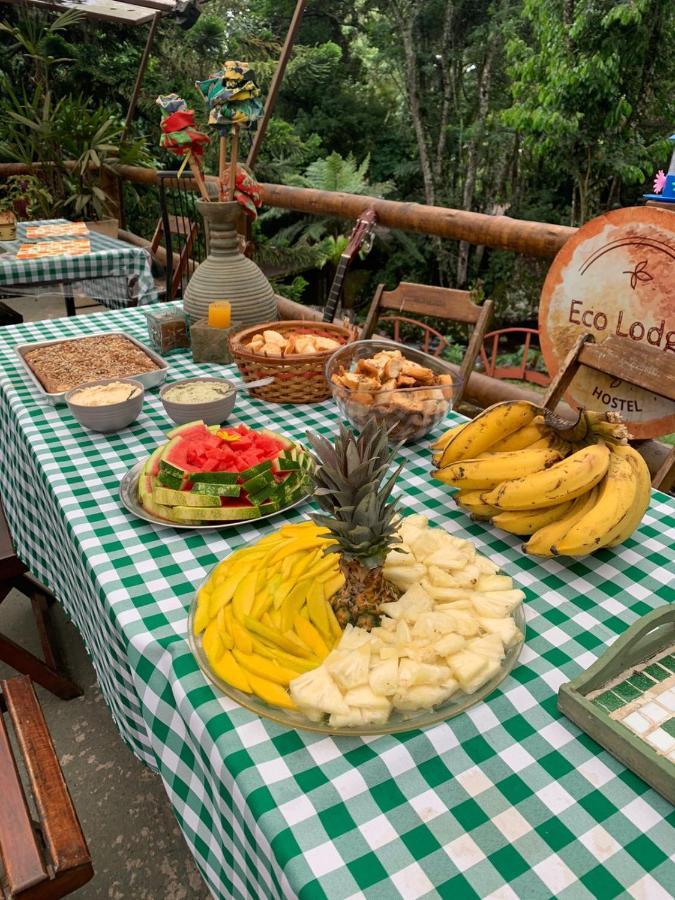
(47, 858)
(14, 575)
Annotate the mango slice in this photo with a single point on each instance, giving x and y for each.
(271, 693)
(265, 668)
(202, 613)
(213, 643)
(242, 639)
(275, 637)
(230, 671)
(244, 596)
(264, 615)
(309, 634)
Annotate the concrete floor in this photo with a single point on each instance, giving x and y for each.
(137, 849)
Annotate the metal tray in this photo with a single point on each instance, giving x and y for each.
(129, 498)
(147, 379)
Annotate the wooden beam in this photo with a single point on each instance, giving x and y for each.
(164, 6)
(518, 235)
(139, 75)
(105, 10)
(273, 92)
(651, 369)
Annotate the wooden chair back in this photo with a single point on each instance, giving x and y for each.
(180, 229)
(642, 366)
(523, 371)
(441, 303)
(48, 858)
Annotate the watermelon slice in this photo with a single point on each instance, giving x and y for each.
(218, 474)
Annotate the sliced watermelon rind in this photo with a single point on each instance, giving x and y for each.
(214, 477)
(206, 475)
(217, 490)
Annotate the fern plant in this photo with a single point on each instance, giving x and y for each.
(334, 173)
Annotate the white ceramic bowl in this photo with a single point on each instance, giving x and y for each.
(214, 412)
(112, 416)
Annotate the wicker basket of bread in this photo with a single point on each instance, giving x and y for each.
(294, 353)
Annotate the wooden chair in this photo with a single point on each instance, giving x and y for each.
(642, 366)
(180, 229)
(48, 673)
(441, 303)
(521, 372)
(48, 858)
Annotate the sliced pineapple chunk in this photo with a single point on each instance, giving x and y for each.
(494, 583)
(383, 677)
(506, 628)
(364, 697)
(496, 604)
(350, 668)
(420, 696)
(489, 645)
(317, 691)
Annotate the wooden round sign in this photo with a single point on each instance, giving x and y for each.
(616, 276)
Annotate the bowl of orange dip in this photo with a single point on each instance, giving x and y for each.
(107, 405)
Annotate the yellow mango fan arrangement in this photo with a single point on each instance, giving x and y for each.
(570, 490)
(265, 612)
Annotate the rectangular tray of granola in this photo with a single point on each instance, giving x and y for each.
(54, 367)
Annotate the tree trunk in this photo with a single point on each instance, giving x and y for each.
(406, 17)
(484, 85)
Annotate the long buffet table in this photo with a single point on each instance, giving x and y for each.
(508, 800)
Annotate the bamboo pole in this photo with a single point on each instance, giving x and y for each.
(234, 153)
(520, 235)
(139, 75)
(275, 84)
(221, 169)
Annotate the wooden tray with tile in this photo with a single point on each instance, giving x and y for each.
(626, 700)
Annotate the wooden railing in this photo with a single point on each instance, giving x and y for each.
(503, 232)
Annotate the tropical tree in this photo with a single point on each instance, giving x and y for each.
(593, 94)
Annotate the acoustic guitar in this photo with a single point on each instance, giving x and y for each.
(362, 231)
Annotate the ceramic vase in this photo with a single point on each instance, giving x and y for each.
(226, 274)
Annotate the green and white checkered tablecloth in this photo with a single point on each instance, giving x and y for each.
(508, 800)
(114, 274)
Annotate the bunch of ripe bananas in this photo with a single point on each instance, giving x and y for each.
(571, 490)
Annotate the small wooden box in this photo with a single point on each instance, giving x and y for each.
(7, 226)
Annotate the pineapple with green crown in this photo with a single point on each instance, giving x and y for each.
(354, 492)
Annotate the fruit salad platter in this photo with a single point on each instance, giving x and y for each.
(569, 489)
(358, 620)
(214, 476)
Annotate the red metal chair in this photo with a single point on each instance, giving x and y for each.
(521, 371)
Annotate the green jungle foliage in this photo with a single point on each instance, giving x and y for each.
(551, 110)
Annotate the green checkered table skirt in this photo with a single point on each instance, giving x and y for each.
(114, 274)
(508, 800)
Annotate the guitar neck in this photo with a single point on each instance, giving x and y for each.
(336, 288)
